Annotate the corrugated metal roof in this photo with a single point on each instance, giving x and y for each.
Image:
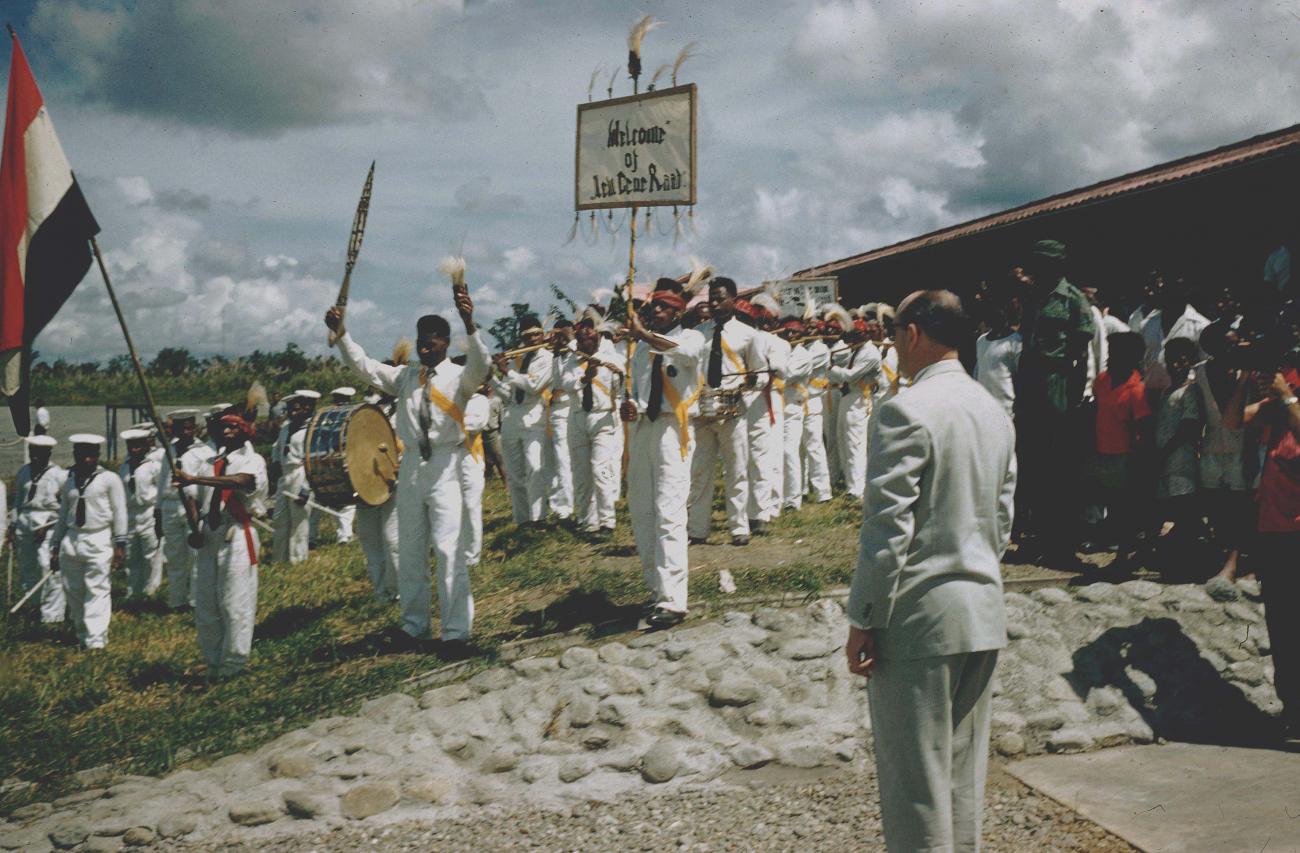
(1196, 165)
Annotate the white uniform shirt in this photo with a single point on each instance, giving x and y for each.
(772, 353)
(290, 452)
(243, 460)
(1098, 351)
(858, 368)
(525, 390)
(478, 410)
(604, 391)
(561, 364)
(141, 489)
(798, 370)
(105, 507)
(682, 367)
(741, 350)
(33, 510)
(191, 462)
(996, 361)
(453, 381)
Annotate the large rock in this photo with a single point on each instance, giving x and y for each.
(304, 804)
(442, 697)
(577, 657)
(69, 834)
(368, 798)
(574, 768)
(661, 762)
(750, 755)
(807, 648)
(1070, 740)
(139, 836)
(429, 789)
(388, 707)
(292, 765)
(582, 710)
(734, 691)
(254, 812)
(535, 667)
(177, 825)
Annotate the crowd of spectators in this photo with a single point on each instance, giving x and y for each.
(1166, 433)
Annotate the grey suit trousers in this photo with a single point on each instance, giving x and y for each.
(930, 718)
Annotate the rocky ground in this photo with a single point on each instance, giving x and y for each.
(689, 737)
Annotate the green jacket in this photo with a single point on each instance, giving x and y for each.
(1051, 366)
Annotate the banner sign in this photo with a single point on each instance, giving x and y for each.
(637, 151)
(794, 292)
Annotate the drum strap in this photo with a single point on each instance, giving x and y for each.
(601, 385)
(681, 408)
(820, 383)
(803, 395)
(236, 507)
(891, 375)
(732, 357)
(450, 409)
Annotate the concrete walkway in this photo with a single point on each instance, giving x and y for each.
(1179, 796)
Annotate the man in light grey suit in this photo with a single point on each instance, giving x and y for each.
(926, 605)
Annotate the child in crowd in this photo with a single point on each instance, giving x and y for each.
(997, 351)
(1178, 421)
(1228, 465)
(1123, 418)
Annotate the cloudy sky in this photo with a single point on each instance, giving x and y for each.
(222, 143)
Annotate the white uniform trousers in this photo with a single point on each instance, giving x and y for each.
(143, 558)
(729, 439)
(178, 557)
(376, 528)
(657, 481)
(290, 526)
(560, 492)
(792, 458)
(84, 559)
(930, 719)
(429, 508)
(313, 527)
(33, 564)
(596, 448)
(472, 475)
(347, 516)
(853, 411)
(764, 457)
(525, 471)
(817, 471)
(225, 599)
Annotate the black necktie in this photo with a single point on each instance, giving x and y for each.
(715, 358)
(528, 359)
(844, 389)
(36, 478)
(656, 403)
(81, 500)
(426, 416)
(587, 400)
(214, 508)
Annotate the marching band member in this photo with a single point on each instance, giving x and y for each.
(472, 473)
(89, 538)
(765, 415)
(560, 491)
(888, 354)
(288, 460)
(817, 473)
(430, 400)
(376, 526)
(139, 474)
(523, 423)
(169, 517)
(665, 379)
(36, 509)
(232, 489)
(342, 396)
(595, 436)
(794, 404)
(856, 381)
(733, 352)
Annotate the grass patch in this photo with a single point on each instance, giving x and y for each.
(322, 645)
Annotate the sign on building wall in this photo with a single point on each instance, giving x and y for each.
(637, 151)
(796, 292)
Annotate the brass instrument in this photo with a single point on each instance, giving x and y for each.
(816, 338)
(511, 353)
(605, 364)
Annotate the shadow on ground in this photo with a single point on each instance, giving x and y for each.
(1179, 693)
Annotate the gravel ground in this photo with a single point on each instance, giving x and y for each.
(783, 810)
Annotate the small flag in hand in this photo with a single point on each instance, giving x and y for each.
(45, 231)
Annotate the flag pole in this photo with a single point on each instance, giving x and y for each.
(190, 515)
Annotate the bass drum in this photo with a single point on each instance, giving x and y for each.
(351, 456)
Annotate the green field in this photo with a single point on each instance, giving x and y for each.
(322, 645)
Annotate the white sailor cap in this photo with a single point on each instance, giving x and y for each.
(306, 394)
(86, 438)
(135, 434)
(147, 426)
(344, 391)
(216, 410)
(40, 440)
(182, 414)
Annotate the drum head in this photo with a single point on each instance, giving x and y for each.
(370, 454)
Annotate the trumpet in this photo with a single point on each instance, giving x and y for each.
(511, 353)
(591, 358)
(814, 338)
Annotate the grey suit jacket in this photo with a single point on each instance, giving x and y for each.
(941, 477)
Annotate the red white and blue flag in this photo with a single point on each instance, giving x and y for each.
(45, 231)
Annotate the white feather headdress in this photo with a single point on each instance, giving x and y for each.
(402, 351)
(700, 273)
(883, 311)
(809, 305)
(838, 314)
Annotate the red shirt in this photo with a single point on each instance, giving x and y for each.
(1279, 482)
(1118, 408)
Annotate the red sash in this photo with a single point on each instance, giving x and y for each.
(237, 510)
